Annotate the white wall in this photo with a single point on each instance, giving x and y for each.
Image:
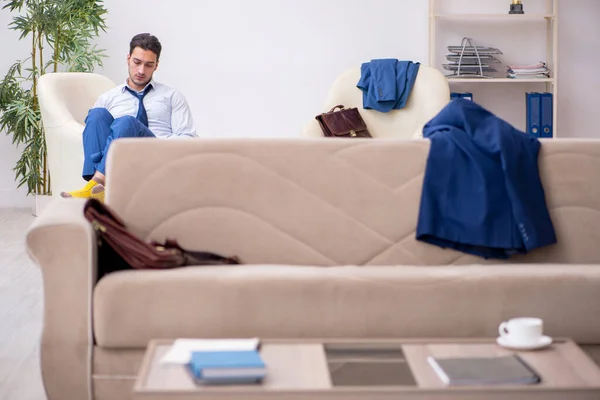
(263, 67)
(579, 44)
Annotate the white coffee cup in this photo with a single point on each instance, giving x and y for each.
(523, 331)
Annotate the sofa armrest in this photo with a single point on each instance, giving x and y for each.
(63, 244)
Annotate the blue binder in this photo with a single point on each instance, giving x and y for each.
(534, 109)
(546, 116)
(466, 96)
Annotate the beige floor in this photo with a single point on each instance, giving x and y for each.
(21, 304)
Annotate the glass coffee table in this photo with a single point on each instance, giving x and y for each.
(374, 369)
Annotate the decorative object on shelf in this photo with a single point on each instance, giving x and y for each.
(516, 7)
(530, 71)
(470, 60)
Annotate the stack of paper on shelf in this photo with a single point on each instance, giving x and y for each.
(532, 71)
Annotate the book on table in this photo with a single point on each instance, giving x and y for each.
(499, 370)
(227, 366)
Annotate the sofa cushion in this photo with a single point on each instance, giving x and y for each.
(133, 307)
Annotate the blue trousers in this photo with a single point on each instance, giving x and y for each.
(100, 130)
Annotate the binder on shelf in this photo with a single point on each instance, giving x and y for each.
(533, 110)
(466, 96)
(546, 116)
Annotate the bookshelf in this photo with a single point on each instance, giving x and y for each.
(460, 18)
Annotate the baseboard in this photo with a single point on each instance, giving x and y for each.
(15, 199)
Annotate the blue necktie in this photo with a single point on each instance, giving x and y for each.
(141, 114)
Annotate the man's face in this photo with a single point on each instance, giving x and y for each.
(142, 64)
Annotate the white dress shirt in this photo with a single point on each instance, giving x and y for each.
(168, 112)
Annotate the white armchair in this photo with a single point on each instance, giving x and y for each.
(430, 94)
(65, 99)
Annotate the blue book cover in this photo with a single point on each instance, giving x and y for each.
(227, 364)
(546, 116)
(533, 111)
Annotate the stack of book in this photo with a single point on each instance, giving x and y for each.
(531, 71)
(227, 367)
(219, 361)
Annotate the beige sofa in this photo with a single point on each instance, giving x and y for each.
(326, 229)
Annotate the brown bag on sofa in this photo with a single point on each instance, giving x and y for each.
(346, 122)
(120, 249)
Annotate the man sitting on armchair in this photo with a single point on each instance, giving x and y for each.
(141, 107)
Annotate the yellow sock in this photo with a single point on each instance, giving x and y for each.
(97, 193)
(85, 192)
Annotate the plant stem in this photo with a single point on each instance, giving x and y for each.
(34, 89)
(45, 171)
(34, 66)
(56, 48)
(44, 177)
(49, 177)
(41, 51)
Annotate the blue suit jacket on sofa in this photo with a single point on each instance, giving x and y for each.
(482, 193)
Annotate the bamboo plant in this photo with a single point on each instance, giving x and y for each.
(61, 33)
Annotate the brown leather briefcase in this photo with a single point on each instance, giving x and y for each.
(346, 122)
(120, 249)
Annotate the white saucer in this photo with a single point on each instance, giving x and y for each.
(544, 341)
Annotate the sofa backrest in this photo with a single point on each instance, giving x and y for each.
(325, 202)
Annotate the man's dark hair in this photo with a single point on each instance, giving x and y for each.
(147, 42)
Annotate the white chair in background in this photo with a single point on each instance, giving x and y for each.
(430, 94)
(65, 99)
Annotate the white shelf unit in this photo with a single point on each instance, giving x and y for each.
(550, 17)
(521, 17)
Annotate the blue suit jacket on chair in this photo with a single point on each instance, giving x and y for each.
(387, 83)
(482, 193)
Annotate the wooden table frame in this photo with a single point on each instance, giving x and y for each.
(299, 372)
